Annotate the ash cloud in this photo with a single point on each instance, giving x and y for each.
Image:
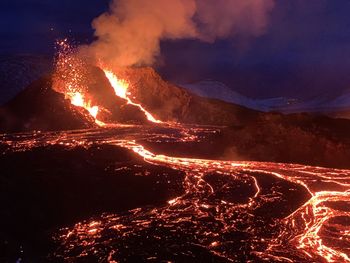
(130, 32)
(228, 18)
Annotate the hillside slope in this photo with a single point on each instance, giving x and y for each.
(245, 134)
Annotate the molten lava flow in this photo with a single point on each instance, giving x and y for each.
(120, 86)
(71, 76)
(208, 214)
(121, 90)
(307, 223)
(77, 99)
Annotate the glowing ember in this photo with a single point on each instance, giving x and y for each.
(121, 90)
(69, 79)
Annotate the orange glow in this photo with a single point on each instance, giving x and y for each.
(69, 79)
(300, 230)
(121, 90)
(309, 233)
(311, 217)
(120, 86)
(78, 100)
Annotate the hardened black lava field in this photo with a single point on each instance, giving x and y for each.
(99, 196)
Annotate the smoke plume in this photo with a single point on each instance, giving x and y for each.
(131, 31)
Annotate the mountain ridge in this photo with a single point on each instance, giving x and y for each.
(244, 134)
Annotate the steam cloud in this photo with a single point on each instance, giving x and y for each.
(130, 33)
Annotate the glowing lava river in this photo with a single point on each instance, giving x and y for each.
(219, 211)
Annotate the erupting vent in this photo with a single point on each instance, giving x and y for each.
(71, 80)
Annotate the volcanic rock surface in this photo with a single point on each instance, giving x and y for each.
(113, 108)
(39, 107)
(245, 134)
(125, 193)
(100, 195)
(172, 103)
(54, 186)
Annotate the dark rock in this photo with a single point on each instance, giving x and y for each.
(55, 186)
(247, 134)
(38, 107)
(172, 103)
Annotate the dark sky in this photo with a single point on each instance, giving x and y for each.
(305, 51)
(32, 25)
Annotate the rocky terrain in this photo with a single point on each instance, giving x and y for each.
(246, 134)
(39, 107)
(249, 134)
(186, 190)
(54, 186)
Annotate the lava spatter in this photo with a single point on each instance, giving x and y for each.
(69, 79)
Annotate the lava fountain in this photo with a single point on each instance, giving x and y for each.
(69, 79)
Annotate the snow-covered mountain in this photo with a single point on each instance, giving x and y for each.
(335, 106)
(18, 71)
(218, 90)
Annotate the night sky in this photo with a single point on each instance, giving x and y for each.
(304, 52)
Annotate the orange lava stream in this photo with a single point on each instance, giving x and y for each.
(121, 90)
(311, 217)
(77, 99)
(315, 215)
(311, 232)
(312, 229)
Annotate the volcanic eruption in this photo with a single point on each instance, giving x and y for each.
(105, 161)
